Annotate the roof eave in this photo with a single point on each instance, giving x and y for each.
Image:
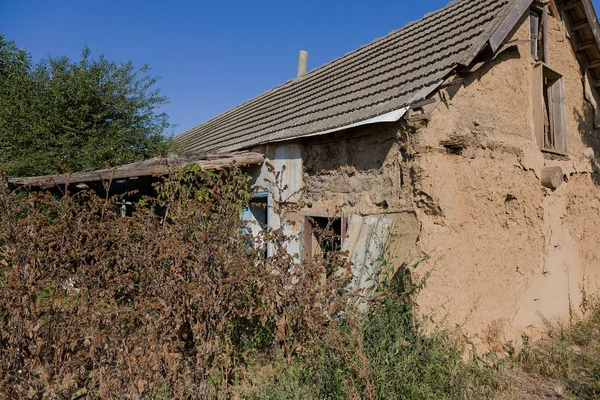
(588, 52)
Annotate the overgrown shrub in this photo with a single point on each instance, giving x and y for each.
(178, 300)
(170, 302)
(386, 353)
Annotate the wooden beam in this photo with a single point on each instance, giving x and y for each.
(590, 21)
(474, 67)
(422, 103)
(545, 35)
(454, 82)
(552, 177)
(483, 40)
(592, 18)
(153, 167)
(419, 117)
(568, 5)
(508, 24)
(307, 238)
(590, 65)
(538, 103)
(585, 45)
(579, 25)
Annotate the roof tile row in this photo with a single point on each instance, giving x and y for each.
(383, 76)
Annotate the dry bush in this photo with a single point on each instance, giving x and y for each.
(171, 301)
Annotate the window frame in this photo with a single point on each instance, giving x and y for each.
(309, 231)
(538, 19)
(536, 36)
(549, 102)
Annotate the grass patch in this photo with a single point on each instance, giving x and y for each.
(570, 354)
(390, 353)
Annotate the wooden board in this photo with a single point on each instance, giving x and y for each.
(545, 35)
(153, 167)
(559, 117)
(538, 103)
(519, 8)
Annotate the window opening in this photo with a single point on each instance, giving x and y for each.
(259, 209)
(256, 213)
(255, 217)
(322, 235)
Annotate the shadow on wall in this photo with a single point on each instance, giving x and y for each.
(589, 137)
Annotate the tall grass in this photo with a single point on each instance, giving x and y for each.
(386, 353)
(570, 354)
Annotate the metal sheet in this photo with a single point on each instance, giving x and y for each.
(368, 256)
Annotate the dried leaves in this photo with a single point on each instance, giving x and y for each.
(171, 300)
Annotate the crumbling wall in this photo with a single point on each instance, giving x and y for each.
(505, 252)
(360, 171)
(363, 172)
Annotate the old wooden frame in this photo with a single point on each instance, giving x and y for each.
(309, 231)
(549, 102)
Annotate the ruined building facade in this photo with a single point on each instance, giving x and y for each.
(483, 172)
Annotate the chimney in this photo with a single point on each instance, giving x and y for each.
(302, 63)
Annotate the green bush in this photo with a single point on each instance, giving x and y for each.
(386, 353)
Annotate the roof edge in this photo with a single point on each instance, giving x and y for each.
(147, 168)
(498, 32)
(515, 13)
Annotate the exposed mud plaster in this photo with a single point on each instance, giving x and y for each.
(506, 252)
(554, 291)
(360, 173)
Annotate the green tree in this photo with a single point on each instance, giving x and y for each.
(79, 115)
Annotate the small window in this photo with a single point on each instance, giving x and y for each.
(535, 34)
(322, 235)
(256, 214)
(550, 110)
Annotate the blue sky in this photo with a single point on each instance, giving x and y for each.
(211, 55)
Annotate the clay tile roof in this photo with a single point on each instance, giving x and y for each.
(386, 75)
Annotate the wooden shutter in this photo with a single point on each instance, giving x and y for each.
(538, 103)
(559, 116)
(551, 135)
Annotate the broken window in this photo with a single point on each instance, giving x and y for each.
(255, 217)
(322, 235)
(549, 110)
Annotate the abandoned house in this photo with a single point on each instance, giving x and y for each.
(465, 142)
